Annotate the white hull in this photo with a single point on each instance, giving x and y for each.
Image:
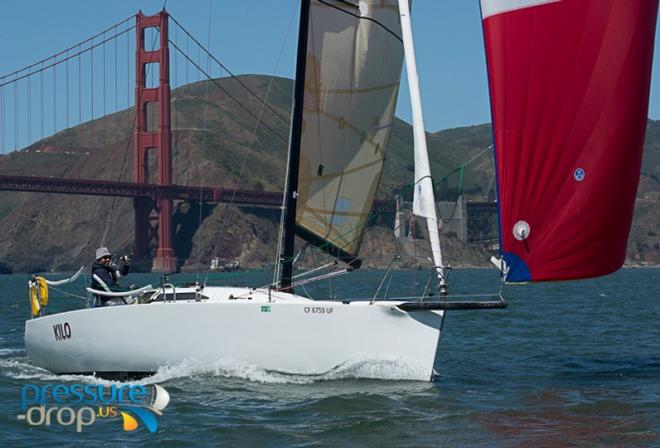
(290, 334)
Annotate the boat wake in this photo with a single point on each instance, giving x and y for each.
(228, 368)
(10, 351)
(20, 368)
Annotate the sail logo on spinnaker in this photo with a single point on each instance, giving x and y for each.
(579, 174)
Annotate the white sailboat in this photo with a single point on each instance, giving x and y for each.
(569, 117)
(347, 78)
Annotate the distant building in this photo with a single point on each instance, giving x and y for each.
(473, 222)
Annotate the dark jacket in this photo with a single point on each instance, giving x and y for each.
(108, 275)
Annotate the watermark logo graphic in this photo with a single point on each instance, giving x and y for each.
(161, 398)
(82, 405)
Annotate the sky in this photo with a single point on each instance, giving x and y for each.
(260, 37)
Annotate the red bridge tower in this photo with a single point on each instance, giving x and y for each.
(153, 219)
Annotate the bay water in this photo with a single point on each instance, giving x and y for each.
(566, 364)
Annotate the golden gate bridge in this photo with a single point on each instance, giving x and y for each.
(81, 84)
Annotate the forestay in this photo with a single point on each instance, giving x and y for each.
(354, 61)
(569, 85)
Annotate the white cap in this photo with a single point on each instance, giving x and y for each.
(102, 252)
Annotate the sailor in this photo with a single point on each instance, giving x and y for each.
(105, 275)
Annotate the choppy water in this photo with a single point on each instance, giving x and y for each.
(567, 364)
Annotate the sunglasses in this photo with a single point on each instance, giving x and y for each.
(105, 257)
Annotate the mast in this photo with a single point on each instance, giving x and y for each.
(291, 187)
(424, 201)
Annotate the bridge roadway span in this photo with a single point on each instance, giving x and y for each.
(132, 190)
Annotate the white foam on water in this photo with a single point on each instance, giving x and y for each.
(20, 368)
(11, 351)
(380, 369)
(227, 368)
(392, 369)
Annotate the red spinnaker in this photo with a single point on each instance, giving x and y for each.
(569, 85)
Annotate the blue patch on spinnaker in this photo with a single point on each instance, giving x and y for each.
(518, 271)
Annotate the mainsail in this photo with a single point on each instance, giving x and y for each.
(569, 85)
(351, 81)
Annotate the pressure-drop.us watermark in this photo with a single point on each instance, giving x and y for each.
(82, 405)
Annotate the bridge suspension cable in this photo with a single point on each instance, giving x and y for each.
(236, 78)
(78, 45)
(208, 74)
(44, 88)
(226, 92)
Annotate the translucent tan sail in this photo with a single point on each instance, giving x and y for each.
(352, 79)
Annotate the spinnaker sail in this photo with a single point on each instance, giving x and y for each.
(569, 84)
(353, 69)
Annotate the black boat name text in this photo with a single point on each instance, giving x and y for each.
(62, 331)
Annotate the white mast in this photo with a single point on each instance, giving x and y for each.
(424, 199)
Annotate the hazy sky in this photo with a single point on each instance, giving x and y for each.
(252, 36)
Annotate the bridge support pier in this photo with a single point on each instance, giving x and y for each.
(146, 235)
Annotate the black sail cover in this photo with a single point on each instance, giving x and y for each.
(353, 70)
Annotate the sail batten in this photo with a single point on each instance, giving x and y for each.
(569, 83)
(354, 59)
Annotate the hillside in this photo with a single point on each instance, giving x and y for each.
(215, 143)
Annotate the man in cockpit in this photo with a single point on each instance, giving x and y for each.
(105, 275)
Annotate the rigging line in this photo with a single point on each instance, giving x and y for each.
(67, 88)
(29, 113)
(54, 99)
(477, 155)
(387, 289)
(79, 92)
(259, 121)
(64, 51)
(176, 65)
(277, 114)
(116, 85)
(357, 16)
(217, 84)
(15, 117)
(2, 120)
(61, 61)
(114, 210)
(113, 207)
(459, 187)
(103, 67)
(91, 96)
(280, 236)
(41, 99)
(451, 215)
(428, 285)
(198, 57)
(387, 272)
(464, 164)
(204, 123)
(67, 293)
(413, 232)
(128, 78)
